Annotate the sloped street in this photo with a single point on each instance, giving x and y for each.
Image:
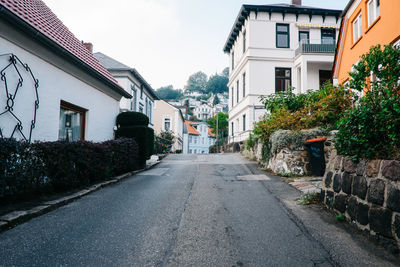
(190, 210)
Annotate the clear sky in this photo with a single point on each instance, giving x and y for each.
(165, 40)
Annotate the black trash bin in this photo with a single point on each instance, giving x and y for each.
(316, 155)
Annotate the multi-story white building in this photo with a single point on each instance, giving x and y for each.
(273, 48)
(143, 95)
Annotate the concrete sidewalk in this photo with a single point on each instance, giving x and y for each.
(307, 185)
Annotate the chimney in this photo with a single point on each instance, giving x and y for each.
(296, 2)
(89, 46)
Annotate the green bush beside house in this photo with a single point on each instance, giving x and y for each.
(135, 125)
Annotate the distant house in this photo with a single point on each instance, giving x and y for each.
(200, 138)
(169, 118)
(142, 94)
(63, 92)
(203, 112)
(272, 48)
(365, 23)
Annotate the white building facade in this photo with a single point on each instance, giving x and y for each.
(142, 94)
(65, 94)
(203, 112)
(273, 48)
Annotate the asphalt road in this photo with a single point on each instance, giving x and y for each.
(190, 210)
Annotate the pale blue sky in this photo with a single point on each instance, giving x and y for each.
(165, 40)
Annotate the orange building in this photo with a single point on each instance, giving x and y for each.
(365, 23)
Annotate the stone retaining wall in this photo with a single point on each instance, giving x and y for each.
(289, 161)
(368, 194)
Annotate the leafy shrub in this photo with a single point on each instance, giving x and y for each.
(143, 135)
(30, 169)
(251, 142)
(134, 125)
(321, 108)
(293, 139)
(372, 128)
(164, 142)
(131, 118)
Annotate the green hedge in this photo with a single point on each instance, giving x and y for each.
(27, 170)
(143, 135)
(131, 118)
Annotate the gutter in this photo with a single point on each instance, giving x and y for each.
(35, 34)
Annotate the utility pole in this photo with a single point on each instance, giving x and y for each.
(217, 135)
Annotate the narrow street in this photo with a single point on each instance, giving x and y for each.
(190, 210)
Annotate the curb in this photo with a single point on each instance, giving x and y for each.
(14, 218)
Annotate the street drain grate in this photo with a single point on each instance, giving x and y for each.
(253, 177)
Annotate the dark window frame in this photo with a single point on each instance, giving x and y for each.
(282, 78)
(237, 91)
(244, 122)
(77, 109)
(233, 129)
(233, 97)
(244, 41)
(282, 33)
(233, 60)
(328, 32)
(303, 32)
(244, 84)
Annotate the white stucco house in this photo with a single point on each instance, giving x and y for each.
(169, 118)
(52, 88)
(203, 112)
(272, 48)
(142, 94)
(200, 138)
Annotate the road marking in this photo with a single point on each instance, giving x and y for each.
(155, 172)
(253, 177)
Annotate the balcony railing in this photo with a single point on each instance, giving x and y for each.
(325, 46)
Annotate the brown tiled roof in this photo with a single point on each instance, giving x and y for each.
(40, 17)
(210, 133)
(191, 129)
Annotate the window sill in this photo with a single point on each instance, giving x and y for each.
(356, 42)
(373, 24)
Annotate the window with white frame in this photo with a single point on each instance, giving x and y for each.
(374, 10)
(357, 28)
(167, 124)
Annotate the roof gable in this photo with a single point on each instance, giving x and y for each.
(113, 65)
(41, 18)
(277, 8)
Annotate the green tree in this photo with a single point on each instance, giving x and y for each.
(216, 100)
(217, 84)
(371, 129)
(222, 124)
(169, 93)
(225, 72)
(197, 82)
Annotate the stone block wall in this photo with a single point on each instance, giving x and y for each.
(288, 161)
(368, 193)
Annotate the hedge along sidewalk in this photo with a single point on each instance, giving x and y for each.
(14, 218)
